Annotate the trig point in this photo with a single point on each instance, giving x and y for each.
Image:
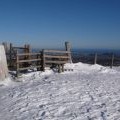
(3, 64)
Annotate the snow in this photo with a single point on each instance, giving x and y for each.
(82, 92)
(3, 64)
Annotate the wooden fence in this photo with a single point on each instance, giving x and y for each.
(25, 61)
(55, 58)
(21, 58)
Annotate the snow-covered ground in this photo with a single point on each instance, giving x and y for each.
(83, 92)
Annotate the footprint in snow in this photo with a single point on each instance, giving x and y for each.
(43, 114)
(41, 106)
(103, 115)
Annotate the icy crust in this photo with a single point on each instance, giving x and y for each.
(82, 92)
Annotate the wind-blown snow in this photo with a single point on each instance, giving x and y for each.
(82, 92)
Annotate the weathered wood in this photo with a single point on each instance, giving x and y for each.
(17, 64)
(43, 60)
(26, 57)
(59, 68)
(68, 49)
(56, 51)
(56, 56)
(39, 62)
(28, 51)
(57, 62)
(23, 54)
(29, 60)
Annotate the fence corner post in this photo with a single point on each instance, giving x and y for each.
(68, 48)
(43, 60)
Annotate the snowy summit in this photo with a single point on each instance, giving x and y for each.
(82, 92)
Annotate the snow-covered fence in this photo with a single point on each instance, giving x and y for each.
(22, 58)
(14, 49)
(45, 58)
(26, 61)
(55, 58)
(3, 64)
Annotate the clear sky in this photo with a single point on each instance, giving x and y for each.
(49, 23)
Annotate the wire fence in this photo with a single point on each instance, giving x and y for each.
(102, 58)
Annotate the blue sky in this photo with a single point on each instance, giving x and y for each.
(49, 23)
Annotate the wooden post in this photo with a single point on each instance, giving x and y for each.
(25, 50)
(112, 61)
(68, 48)
(62, 67)
(95, 59)
(27, 57)
(17, 64)
(28, 51)
(38, 62)
(43, 60)
(59, 68)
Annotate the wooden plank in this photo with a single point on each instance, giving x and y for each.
(31, 60)
(56, 62)
(39, 62)
(31, 67)
(55, 56)
(56, 51)
(23, 54)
